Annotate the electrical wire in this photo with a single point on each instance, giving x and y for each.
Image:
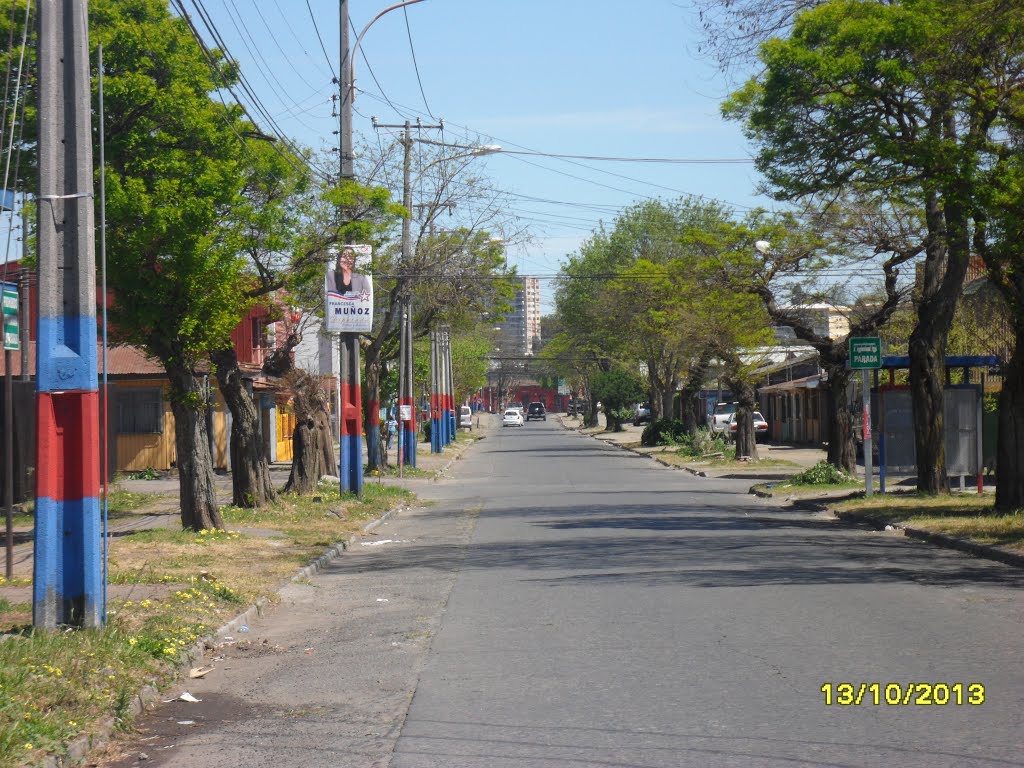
(179, 4)
(403, 115)
(415, 65)
(266, 71)
(330, 65)
(660, 160)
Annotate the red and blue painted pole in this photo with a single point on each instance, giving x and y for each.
(408, 426)
(350, 440)
(67, 586)
(449, 389)
(436, 442)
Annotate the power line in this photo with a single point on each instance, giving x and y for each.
(211, 62)
(316, 29)
(660, 160)
(415, 65)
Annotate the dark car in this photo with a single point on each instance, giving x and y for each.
(536, 411)
(578, 408)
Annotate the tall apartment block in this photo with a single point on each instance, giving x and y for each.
(521, 327)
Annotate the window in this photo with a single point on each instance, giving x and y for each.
(140, 411)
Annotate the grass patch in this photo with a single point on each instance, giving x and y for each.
(54, 685)
(965, 516)
(120, 501)
(173, 587)
(15, 614)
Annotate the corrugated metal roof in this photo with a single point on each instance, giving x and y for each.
(121, 361)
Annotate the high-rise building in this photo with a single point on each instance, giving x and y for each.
(521, 326)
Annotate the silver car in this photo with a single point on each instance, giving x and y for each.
(512, 418)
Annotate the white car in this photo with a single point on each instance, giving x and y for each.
(512, 418)
(466, 418)
(760, 427)
(719, 422)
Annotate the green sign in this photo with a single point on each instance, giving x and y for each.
(10, 312)
(865, 353)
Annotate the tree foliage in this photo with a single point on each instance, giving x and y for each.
(904, 99)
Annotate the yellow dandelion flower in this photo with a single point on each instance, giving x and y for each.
(28, 746)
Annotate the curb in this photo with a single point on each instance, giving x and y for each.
(986, 551)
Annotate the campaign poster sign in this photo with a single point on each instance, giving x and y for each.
(349, 290)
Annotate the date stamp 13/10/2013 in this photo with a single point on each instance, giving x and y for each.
(903, 694)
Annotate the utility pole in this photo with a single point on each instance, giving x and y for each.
(449, 377)
(406, 395)
(435, 392)
(350, 396)
(67, 577)
(23, 285)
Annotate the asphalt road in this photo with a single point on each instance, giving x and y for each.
(562, 602)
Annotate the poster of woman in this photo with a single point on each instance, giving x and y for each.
(348, 292)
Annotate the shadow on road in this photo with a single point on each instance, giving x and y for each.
(702, 547)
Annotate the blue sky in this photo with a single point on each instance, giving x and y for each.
(581, 77)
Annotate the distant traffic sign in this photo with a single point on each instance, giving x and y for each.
(10, 316)
(865, 353)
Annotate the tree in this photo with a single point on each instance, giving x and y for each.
(327, 215)
(469, 362)
(449, 275)
(308, 462)
(581, 315)
(270, 207)
(789, 262)
(617, 390)
(894, 98)
(176, 168)
(653, 309)
(735, 29)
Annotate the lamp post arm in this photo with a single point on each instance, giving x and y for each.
(350, 84)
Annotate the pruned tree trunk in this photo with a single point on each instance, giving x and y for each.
(943, 277)
(611, 422)
(375, 457)
(746, 442)
(842, 450)
(689, 399)
(307, 459)
(313, 419)
(590, 418)
(325, 439)
(199, 510)
(308, 452)
(663, 383)
(251, 485)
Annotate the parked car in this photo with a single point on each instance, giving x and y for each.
(719, 422)
(578, 407)
(760, 426)
(641, 414)
(536, 411)
(466, 418)
(513, 418)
